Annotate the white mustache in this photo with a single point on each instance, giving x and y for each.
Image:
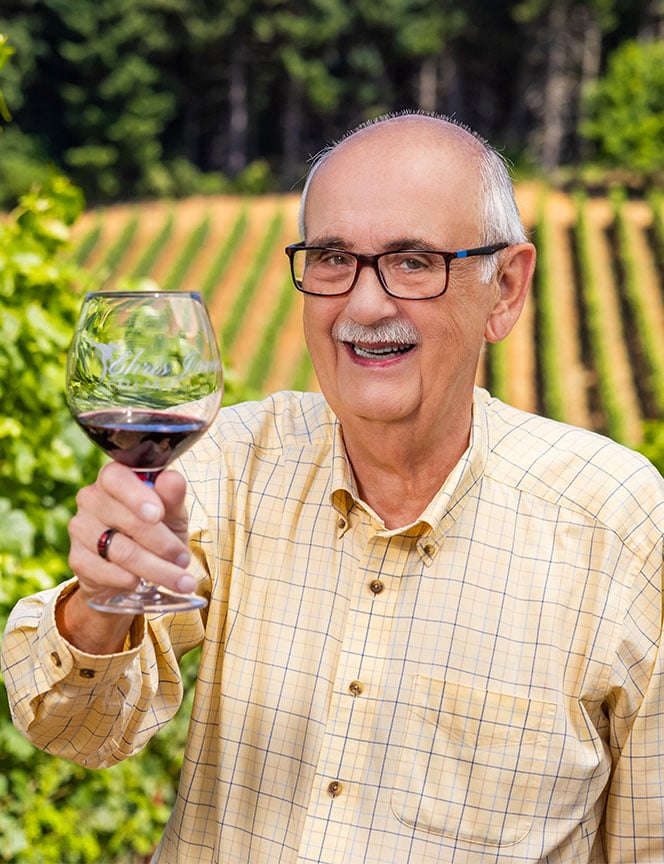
(390, 332)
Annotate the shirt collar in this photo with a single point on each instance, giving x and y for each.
(444, 509)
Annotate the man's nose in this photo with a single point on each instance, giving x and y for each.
(368, 300)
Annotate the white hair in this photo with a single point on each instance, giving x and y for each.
(500, 221)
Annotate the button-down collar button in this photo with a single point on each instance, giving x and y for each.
(87, 673)
(356, 687)
(376, 586)
(341, 523)
(55, 658)
(429, 549)
(334, 788)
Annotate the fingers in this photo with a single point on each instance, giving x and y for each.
(151, 532)
(171, 489)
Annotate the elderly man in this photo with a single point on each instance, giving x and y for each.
(434, 621)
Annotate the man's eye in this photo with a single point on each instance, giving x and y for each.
(413, 263)
(334, 259)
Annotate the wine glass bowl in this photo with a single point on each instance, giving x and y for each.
(144, 381)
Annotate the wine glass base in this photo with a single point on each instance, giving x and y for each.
(140, 603)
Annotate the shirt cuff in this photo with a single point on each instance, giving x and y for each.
(61, 660)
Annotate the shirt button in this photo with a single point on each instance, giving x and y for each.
(356, 687)
(334, 788)
(341, 522)
(429, 549)
(87, 673)
(376, 586)
(55, 657)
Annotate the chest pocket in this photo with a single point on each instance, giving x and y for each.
(471, 763)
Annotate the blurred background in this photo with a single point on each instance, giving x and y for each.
(163, 143)
(144, 97)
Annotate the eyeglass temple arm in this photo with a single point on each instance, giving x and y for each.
(480, 250)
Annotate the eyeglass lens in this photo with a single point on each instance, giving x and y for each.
(405, 274)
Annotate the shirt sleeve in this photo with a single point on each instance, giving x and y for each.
(634, 820)
(94, 710)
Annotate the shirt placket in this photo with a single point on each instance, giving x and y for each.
(342, 790)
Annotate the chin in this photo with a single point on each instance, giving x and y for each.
(376, 406)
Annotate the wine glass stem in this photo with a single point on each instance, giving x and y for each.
(149, 478)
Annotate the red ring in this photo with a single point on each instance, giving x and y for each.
(104, 542)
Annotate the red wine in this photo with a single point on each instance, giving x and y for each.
(143, 440)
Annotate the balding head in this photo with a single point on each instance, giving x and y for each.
(417, 128)
(388, 144)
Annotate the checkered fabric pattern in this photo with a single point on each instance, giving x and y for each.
(484, 685)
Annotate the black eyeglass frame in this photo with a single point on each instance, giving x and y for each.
(362, 261)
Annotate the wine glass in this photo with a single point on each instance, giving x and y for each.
(144, 381)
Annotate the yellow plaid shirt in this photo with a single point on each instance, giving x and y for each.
(484, 685)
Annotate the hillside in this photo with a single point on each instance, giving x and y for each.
(589, 348)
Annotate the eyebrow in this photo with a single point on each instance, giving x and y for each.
(416, 244)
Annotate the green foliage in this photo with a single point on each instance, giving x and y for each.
(304, 46)
(179, 178)
(117, 251)
(552, 395)
(530, 10)
(601, 350)
(6, 52)
(223, 257)
(255, 179)
(43, 459)
(87, 244)
(114, 105)
(626, 109)
(171, 98)
(653, 443)
(53, 812)
(656, 201)
(185, 259)
(304, 372)
(498, 378)
(23, 161)
(154, 249)
(264, 354)
(242, 301)
(644, 318)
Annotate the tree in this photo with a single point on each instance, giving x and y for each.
(111, 107)
(563, 58)
(307, 40)
(120, 92)
(626, 109)
(6, 52)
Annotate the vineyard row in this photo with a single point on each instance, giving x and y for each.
(588, 349)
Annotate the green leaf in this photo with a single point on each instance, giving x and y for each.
(17, 533)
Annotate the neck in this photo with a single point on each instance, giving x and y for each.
(398, 469)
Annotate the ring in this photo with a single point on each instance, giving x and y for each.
(104, 542)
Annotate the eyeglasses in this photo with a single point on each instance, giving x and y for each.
(409, 274)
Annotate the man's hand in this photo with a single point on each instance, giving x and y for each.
(150, 543)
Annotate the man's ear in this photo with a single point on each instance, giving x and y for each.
(515, 272)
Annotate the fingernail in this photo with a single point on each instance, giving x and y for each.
(183, 559)
(150, 512)
(187, 584)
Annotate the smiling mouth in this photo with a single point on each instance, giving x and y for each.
(378, 352)
(382, 341)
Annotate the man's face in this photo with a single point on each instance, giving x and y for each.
(384, 190)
